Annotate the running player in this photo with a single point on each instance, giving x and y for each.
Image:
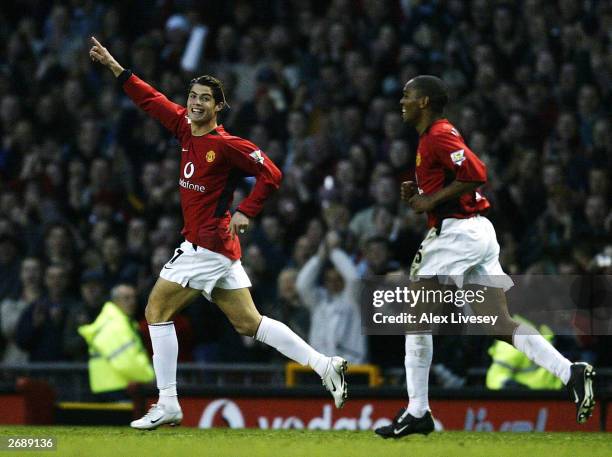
(461, 247)
(208, 261)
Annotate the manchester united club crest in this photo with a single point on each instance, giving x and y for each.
(210, 156)
(418, 159)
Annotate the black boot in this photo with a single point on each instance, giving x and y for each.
(406, 424)
(580, 386)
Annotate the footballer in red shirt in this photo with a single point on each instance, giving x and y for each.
(461, 248)
(208, 261)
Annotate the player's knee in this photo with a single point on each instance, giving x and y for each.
(155, 313)
(152, 314)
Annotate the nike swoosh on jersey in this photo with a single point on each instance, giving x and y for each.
(184, 150)
(168, 268)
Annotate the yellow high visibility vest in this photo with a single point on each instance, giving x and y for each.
(510, 364)
(116, 354)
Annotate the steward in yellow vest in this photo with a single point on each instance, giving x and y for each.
(116, 354)
(511, 367)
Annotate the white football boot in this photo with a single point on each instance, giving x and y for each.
(334, 382)
(156, 416)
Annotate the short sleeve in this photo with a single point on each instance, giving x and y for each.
(452, 152)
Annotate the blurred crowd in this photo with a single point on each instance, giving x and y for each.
(89, 185)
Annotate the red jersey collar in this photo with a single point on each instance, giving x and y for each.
(437, 121)
(218, 130)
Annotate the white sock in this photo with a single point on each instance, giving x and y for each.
(165, 355)
(537, 349)
(419, 351)
(285, 341)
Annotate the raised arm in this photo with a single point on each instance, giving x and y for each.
(306, 281)
(99, 53)
(343, 265)
(154, 103)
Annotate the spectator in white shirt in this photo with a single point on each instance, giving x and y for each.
(335, 324)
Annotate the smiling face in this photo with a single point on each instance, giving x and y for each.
(201, 106)
(411, 104)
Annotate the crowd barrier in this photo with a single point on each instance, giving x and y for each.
(473, 409)
(33, 401)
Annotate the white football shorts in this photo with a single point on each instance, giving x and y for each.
(204, 270)
(464, 252)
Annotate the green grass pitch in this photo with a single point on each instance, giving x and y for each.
(178, 442)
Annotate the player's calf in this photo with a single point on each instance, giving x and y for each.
(238, 307)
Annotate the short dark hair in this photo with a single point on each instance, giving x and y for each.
(216, 86)
(434, 88)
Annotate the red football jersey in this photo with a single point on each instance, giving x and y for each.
(211, 167)
(443, 157)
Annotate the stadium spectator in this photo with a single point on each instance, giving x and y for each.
(302, 251)
(9, 262)
(13, 307)
(137, 243)
(116, 354)
(93, 294)
(334, 310)
(40, 327)
(384, 191)
(377, 259)
(116, 266)
(60, 247)
(298, 142)
(511, 369)
(289, 307)
(270, 239)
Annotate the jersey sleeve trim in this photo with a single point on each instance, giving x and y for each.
(124, 76)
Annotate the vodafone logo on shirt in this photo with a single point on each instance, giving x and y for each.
(188, 172)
